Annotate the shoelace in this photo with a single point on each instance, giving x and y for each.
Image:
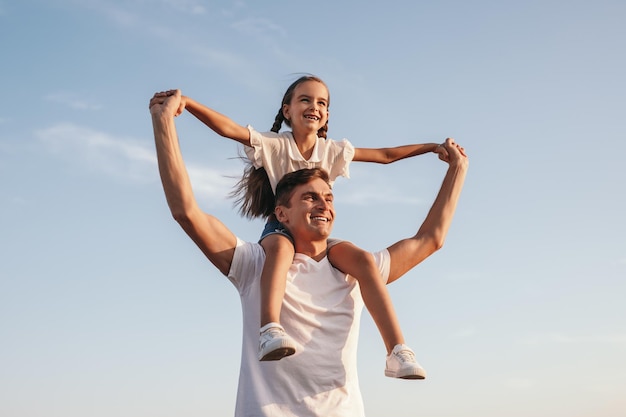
(406, 356)
(273, 331)
(270, 334)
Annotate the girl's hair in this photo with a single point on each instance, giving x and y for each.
(253, 192)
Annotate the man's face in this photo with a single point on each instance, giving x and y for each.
(311, 212)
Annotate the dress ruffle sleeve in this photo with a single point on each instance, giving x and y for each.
(348, 156)
(254, 152)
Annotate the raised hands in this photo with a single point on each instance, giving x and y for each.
(167, 103)
(456, 153)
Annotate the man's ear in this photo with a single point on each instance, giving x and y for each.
(281, 214)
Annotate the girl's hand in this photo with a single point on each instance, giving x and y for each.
(442, 152)
(181, 107)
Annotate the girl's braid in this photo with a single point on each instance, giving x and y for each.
(278, 121)
(253, 193)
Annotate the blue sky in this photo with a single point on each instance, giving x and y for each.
(107, 308)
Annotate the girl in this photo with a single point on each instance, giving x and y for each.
(305, 110)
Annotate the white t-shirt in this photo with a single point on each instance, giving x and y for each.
(279, 155)
(321, 311)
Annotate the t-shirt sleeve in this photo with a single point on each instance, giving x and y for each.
(247, 265)
(339, 157)
(383, 260)
(268, 150)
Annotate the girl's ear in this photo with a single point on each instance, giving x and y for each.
(286, 112)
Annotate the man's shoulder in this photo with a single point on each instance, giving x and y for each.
(247, 262)
(245, 250)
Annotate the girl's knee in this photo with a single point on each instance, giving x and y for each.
(352, 260)
(277, 243)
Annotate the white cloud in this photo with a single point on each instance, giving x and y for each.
(187, 6)
(200, 43)
(126, 159)
(211, 187)
(72, 100)
(211, 57)
(100, 151)
(262, 28)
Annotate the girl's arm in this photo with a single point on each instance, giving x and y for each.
(220, 124)
(389, 155)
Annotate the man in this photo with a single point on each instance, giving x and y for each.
(322, 306)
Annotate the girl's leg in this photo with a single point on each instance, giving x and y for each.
(274, 343)
(349, 259)
(360, 264)
(279, 252)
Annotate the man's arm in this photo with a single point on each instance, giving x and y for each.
(212, 237)
(430, 237)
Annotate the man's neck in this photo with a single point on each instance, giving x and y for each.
(315, 250)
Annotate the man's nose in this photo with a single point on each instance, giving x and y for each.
(325, 205)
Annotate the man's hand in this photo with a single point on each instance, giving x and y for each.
(167, 103)
(455, 152)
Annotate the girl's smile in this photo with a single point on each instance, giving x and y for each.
(308, 109)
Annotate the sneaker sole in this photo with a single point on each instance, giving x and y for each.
(278, 354)
(407, 376)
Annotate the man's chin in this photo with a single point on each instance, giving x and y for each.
(321, 232)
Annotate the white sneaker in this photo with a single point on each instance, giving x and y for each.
(401, 363)
(274, 343)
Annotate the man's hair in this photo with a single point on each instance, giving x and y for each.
(288, 183)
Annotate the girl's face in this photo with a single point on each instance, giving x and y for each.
(307, 111)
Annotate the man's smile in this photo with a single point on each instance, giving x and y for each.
(320, 218)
